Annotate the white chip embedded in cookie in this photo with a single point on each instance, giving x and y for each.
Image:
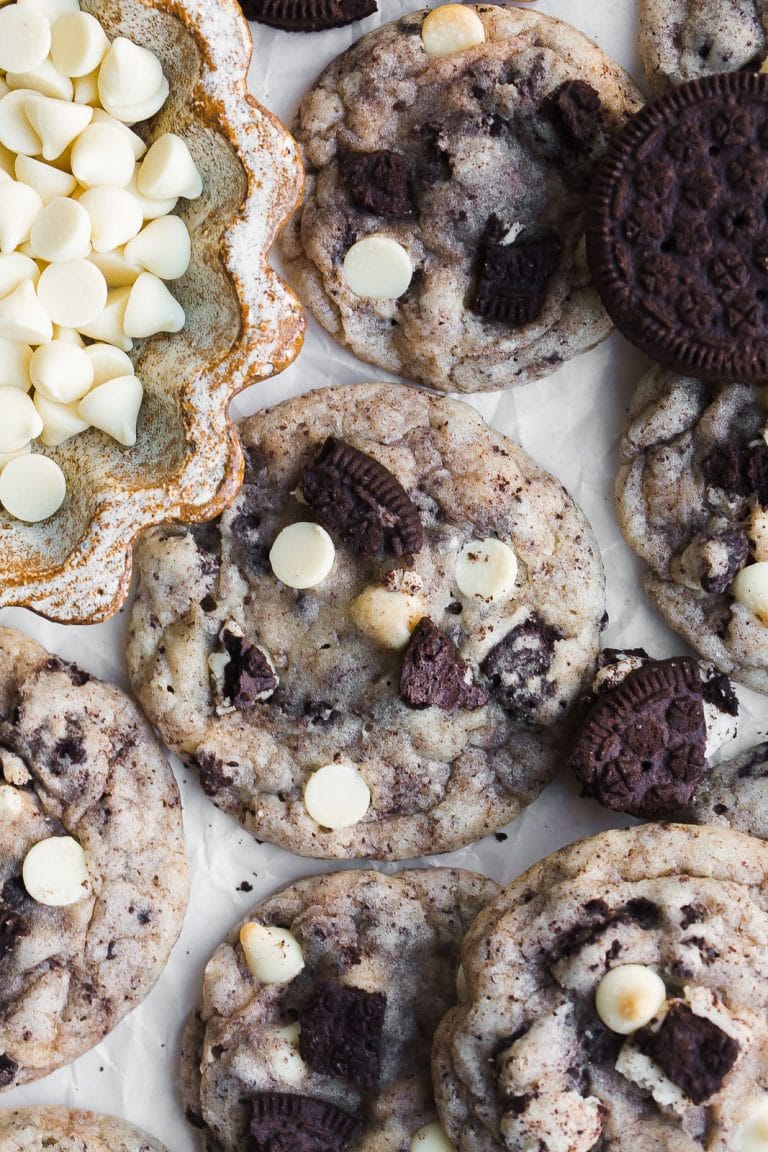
(273, 955)
(377, 268)
(337, 796)
(451, 28)
(487, 569)
(302, 555)
(628, 997)
(55, 872)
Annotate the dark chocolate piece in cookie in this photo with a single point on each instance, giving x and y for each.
(341, 1032)
(307, 15)
(740, 470)
(248, 676)
(700, 212)
(517, 667)
(512, 284)
(378, 182)
(283, 1122)
(641, 747)
(575, 109)
(433, 672)
(357, 498)
(692, 1052)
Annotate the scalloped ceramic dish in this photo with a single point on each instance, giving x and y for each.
(243, 325)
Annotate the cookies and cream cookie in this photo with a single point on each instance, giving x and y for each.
(316, 1023)
(448, 156)
(371, 653)
(616, 998)
(70, 1130)
(687, 39)
(93, 870)
(692, 496)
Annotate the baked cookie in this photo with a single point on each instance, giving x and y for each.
(448, 156)
(686, 39)
(649, 730)
(318, 1013)
(371, 653)
(70, 1130)
(692, 497)
(93, 869)
(734, 795)
(616, 999)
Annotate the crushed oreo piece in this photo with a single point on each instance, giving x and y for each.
(433, 672)
(575, 109)
(723, 556)
(517, 667)
(691, 1051)
(640, 748)
(249, 677)
(739, 471)
(357, 498)
(378, 182)
(284, 1122)
(8, 1070)
(718, 690)
(341, 1031)
(307, 15)
(512, 284)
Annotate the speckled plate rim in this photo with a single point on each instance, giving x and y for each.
(93, 582)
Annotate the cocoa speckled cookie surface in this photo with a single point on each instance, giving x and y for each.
(78, 768)
(477, 164)
(332, 1053)
(70, 1130)
(384, 678)
(535, 1058)
(686, 39)
(734, 794)
(692, 494)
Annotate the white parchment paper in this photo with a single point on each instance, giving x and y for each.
(570, 424)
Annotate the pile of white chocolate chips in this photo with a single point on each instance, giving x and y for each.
(86, 237)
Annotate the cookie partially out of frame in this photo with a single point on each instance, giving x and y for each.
(543, 1054)
(734, 794)
(684, 40)
(322, 1042)
(70, 1130)
(692, 497)
(477, 164)
(93, 869)
(444, 707)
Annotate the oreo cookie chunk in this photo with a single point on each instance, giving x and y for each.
(676, 231)
(307, 15)
(454, 255)
(382, 662)
(93, 872)
(692, 499)
(318, 1012)
(615, 1000)
(35, 1129)
(643, 746)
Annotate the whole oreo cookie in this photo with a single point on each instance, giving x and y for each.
(677, 234)
(307, 15)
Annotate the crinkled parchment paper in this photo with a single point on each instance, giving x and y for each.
(570, 424)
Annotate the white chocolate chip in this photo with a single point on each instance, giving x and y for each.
(68, 336)
(284, 1057)
(14, 269)
(168, 170)
(102, 154)
(49, 182)
(273, 955)
(73, 293)
(25, 38)
(108, 362)
(19, 206)
(131, 76)
(57, 123)
(115, 217)
(302, 555)
(135, 113)
(61, 371)
(78, 44)
(45, 79)
(23, 317)
(7, 158)
(431, 1138)
(163, 247)
(750, 588)
(116, 270)
(628, 997)
(14, 365)
(55, 871)
(752, 1135)
(451, 28)
(136, 142)
(6, 457)
(388, 618)
(151, 208)
(86, 90)
(61, 231)
(32, 487)
(113, 407)
(16, 132)
(108, 325)
(19, 422)
(60, 421)
(336, 796)
(486, 569)
(152, 308)
(51, 9)
(377, 268)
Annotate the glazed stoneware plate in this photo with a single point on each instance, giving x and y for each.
(243, 325)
